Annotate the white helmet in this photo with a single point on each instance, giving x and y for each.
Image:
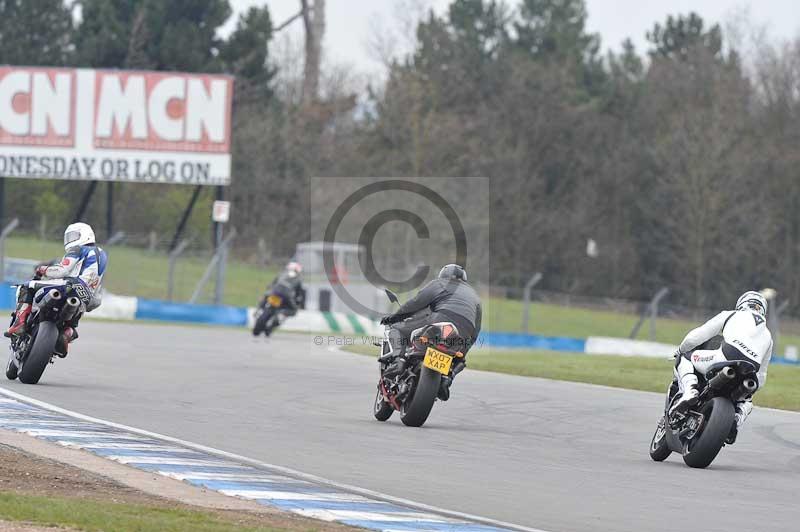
(754, 302)
(295, 267)
(78, 234)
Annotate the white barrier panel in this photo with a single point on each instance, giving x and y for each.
(601, 345)
(115, 308)
(315, 321)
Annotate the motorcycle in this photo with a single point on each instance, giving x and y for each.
(56, 303)
(700, 432)
(268, 315)
(410, 384)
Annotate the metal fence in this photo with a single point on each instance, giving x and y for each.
(144, 265)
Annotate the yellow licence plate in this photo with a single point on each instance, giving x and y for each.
(437, 361)
(274, 301)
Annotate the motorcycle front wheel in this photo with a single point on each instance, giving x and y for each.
(659, 451)
(382, 410)
(261, 321)
(11, 368)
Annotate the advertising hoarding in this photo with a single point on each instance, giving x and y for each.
(115, 125)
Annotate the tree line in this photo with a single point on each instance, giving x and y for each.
(679, 161)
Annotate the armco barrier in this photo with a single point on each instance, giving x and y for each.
(116, 307)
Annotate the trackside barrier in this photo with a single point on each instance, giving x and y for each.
(116, 307)
(149, 309)
(531, 341)
(601, 345)
(335, 322)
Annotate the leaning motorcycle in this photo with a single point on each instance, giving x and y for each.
(268, 314)
(700, 432)
(410, 383)
(55, 305)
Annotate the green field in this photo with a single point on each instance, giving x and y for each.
(636, 373)
(102, 516)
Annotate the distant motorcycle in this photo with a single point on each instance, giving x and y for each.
(410, 384)
(55, 304)
(269, 314)
(701, 432)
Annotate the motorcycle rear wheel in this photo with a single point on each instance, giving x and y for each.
(40, 354)
(701, 450)
(417, 409)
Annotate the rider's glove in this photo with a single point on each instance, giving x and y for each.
(387, 320)
(41, 270)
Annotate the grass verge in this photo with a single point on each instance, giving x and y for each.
(635, 373)
(102, 516)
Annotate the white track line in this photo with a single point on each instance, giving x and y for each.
(284, 470)
(235, 477)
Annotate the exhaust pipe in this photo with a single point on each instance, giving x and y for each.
(746, 389)
(722, 378)
(51, 296)
(70, 308)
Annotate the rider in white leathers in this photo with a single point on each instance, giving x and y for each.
(744, 337)
(84, 262)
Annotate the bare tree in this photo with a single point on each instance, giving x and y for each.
(314, 23)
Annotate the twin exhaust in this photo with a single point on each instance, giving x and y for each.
(746, 389)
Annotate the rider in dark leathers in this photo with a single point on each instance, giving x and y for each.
(289, 286)
(449, 298)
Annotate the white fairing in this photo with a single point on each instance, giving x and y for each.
(745, 330)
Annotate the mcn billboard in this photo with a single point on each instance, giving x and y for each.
(115, 125)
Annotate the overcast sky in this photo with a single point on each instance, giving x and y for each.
(351, 24)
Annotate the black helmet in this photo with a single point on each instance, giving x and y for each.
(453, 271)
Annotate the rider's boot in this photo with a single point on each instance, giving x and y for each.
(22, 313)
(743, 409)
(684, 372)
(447, 381)
(398, 343)
(69, 335)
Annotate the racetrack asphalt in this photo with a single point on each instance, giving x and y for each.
(563, 457)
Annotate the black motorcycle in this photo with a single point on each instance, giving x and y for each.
(700, 432)
(269, 314)
(56, 305)
(410, 383)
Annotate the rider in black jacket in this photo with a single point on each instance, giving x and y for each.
(449, 298)
(289, 286)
